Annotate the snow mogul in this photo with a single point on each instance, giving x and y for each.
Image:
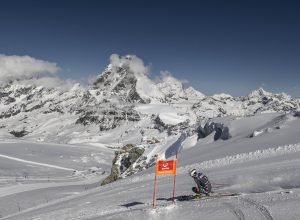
(203, 184)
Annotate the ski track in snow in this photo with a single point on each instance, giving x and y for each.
(259, 207)
(249, 205)
(236, 212)
(36, 163)
(245, 157)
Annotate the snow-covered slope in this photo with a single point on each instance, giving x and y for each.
(263, 170)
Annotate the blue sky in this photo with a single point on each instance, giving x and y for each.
(216, 45)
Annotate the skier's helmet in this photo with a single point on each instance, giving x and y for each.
(193, 172)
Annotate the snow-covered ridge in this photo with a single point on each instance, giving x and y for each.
(245, 157)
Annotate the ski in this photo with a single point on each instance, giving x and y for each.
(211, 196)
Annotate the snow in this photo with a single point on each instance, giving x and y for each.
(169, 115)
(147, 89)
(222, 96)
(264, 170)
(155, 108)
(245, 157)
(172, 118)
(194, 94)
(190, 141)
(35, 163)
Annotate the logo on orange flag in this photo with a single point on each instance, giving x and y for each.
(164, 167)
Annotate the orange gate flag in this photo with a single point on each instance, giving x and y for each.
(164, 167)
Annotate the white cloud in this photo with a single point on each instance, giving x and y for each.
(167, 76)
(49, 82)
(25, 68)
(134, 63)
(262, 84)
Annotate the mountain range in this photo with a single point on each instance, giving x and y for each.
(121, 101)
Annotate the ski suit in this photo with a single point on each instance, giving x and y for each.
(203, 183)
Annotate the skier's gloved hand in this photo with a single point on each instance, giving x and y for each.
(195, 190)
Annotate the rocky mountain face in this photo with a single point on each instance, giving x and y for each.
(123, 161)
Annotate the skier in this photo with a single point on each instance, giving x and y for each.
(203, 184)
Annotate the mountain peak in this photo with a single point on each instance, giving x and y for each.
(130, 62)
(193, 93)
(126, 78)
(258, 93)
